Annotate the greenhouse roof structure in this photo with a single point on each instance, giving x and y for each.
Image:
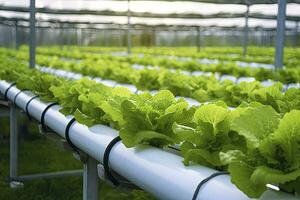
(207, 13)
(154, 13)
(243, 2)
(217, 15)
(256, 15)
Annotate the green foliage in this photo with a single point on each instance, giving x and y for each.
(272, 155)
(149, 119)
(167, 59)
(207, 136)
(258, 143)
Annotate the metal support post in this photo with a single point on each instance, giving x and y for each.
(12, 36)
(176, 42)
(16, 35)
(82, 36)
(296, 34)
(13, 159)
(120, 38)
(79, 36)
(154, 37)
(32, 40)
(246, 30)
(13, 171)
(15, 180)
(90, 180)
(61, 35)
(198, 38)
(128, 29)
(280, 33)
(68, 31)
(202, 37)
(261, 35)
(104, 37)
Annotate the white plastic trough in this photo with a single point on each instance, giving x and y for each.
(159, 172)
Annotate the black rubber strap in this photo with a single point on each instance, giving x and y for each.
(174, 148)
(68, 137)
(43, 115)
(6, 91)
(205, 181)
(18, 95)
(27, 104)
(106, 161)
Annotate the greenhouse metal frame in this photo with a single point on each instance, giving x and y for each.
(281, 17)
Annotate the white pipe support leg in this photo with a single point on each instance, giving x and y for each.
(90, 180)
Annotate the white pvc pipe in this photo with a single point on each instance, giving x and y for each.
(155, 170)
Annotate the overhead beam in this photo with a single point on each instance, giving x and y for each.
(143, 14)
(241, 2)
(22, 22)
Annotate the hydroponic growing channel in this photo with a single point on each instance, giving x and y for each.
(151, 105)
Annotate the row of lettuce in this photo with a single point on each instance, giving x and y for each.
(287, 75)
(254, 54)
(200, 88)
(255, 143)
